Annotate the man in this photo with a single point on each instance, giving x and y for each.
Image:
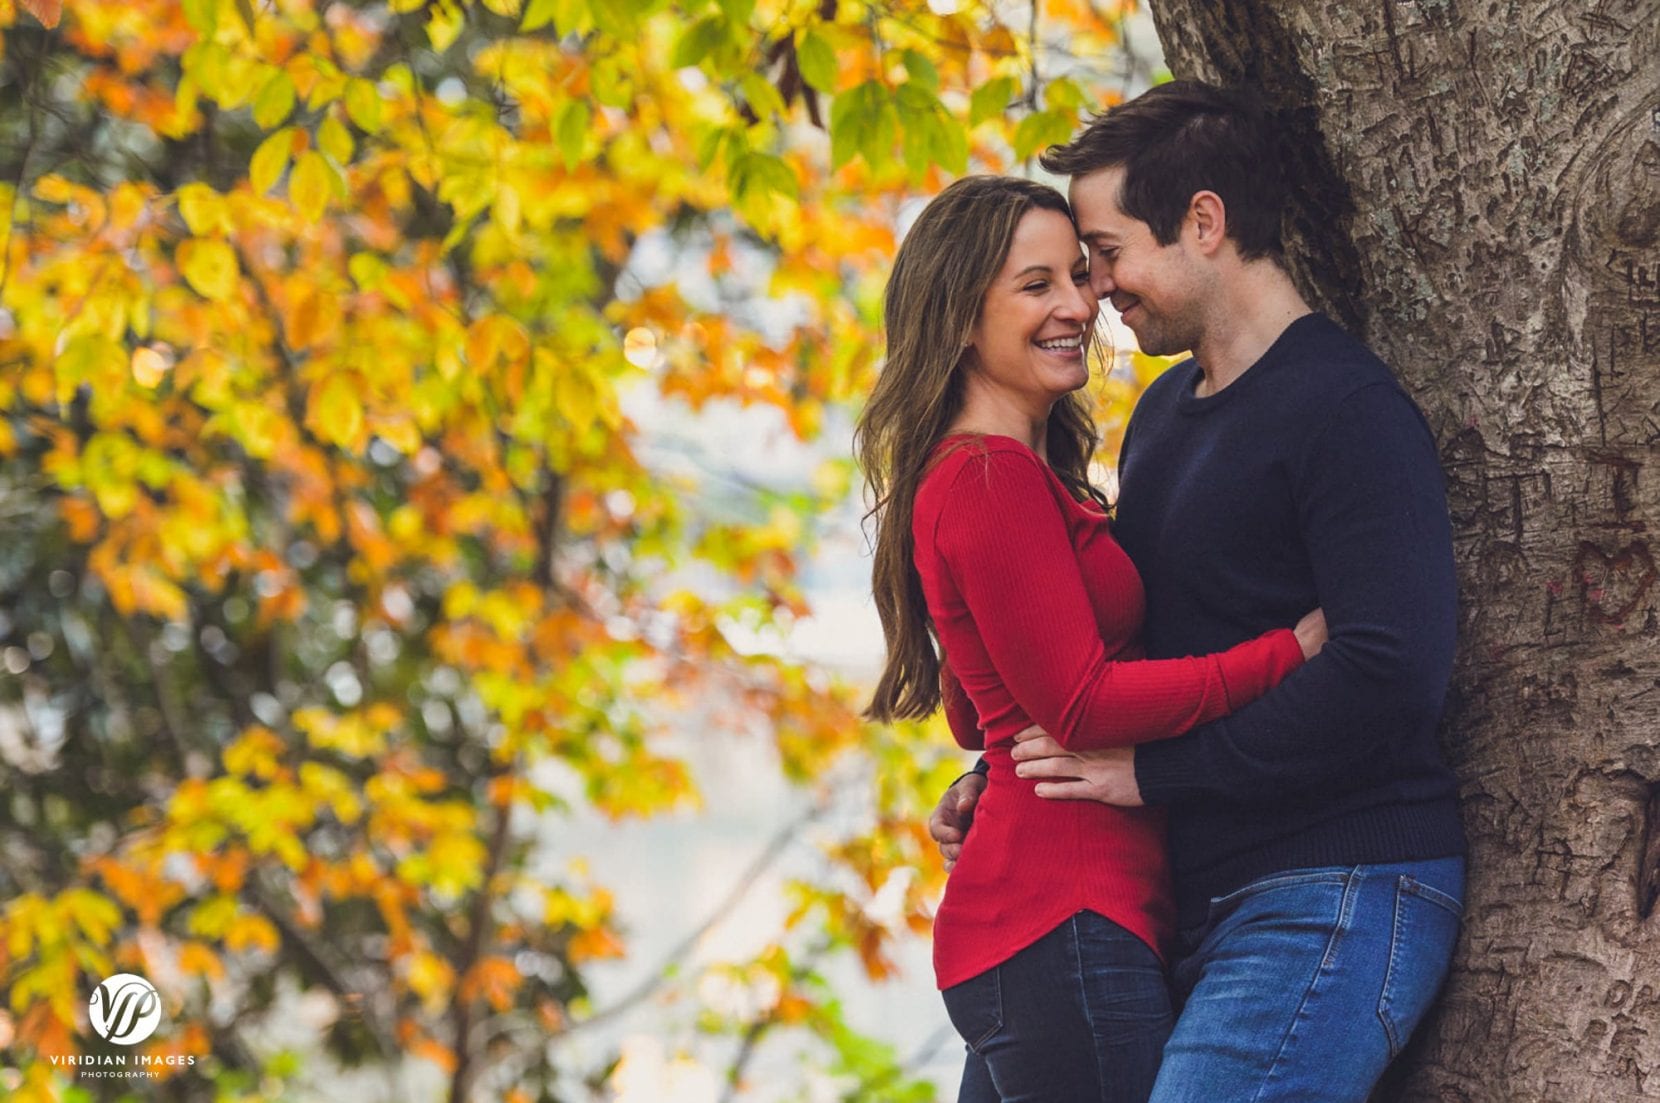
(1314, 835)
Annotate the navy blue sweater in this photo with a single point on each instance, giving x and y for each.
(1311, 480)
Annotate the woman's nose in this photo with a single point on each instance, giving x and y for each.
(1080, 305)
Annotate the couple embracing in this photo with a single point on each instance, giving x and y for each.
(1211, 851)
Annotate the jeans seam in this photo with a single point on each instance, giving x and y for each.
(1395, 942)
(997, 998)
(1277, 881)
(1083, 994)
(1432, 895)
(1345, 911)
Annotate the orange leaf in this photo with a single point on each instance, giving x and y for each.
(196, 958)
(47, 11)
(436, 1052)
(495, 978)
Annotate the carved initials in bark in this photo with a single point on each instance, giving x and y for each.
(1611, 586)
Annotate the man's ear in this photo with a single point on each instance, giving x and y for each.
(1207, 220)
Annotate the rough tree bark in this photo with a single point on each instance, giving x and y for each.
(1482, 202)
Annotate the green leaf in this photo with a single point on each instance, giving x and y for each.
(762, 172)
(699, 41)
(274, 101)
(991, 99)
(762, 97)
(816, 60)
(610, 83)
(571, 131)
(1042, 129)
(738, 11)
(1063, 94)
(538, 14)
(567, 16)
(711, 145)
(862, 121)
(203, 17)
(921, 70)
(932, 136)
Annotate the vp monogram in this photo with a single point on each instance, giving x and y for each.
(125, 1009)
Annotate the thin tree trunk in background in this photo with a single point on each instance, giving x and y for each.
(1483, 205)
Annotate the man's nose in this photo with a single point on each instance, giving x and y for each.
(1100, 281)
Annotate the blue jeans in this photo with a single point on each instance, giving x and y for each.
(1304, 985)
(1079, 1016)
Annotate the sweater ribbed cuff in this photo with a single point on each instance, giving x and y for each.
(1165, 769)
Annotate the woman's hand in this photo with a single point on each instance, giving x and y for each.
(1311, 633)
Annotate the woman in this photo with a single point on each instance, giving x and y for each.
(991, 541)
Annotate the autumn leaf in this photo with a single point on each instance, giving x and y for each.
(209, 265)
(47, 11)
(309, 186)
(270, 160)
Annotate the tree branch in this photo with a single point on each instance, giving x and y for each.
(683, 949)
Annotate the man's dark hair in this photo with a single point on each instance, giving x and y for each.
(1180, 138)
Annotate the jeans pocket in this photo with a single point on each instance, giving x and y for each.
(975, 1008)
(1420, 950)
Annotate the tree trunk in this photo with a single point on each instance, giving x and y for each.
(1483, 205)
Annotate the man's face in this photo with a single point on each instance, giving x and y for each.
(1153, 287)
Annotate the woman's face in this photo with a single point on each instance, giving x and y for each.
(1029, 338)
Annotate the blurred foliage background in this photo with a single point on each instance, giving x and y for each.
(346, 553)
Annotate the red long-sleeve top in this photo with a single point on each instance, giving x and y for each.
(1039, 611)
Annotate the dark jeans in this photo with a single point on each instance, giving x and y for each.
(1079, 1016)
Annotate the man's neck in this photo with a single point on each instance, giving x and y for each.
(1244, 321)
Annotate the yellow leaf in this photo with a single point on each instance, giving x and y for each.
(309, 186)
(363, 104)
(444, 24)
(53, 188)
(252, 932)
(430, 977)
(401, 433)
(575, 398)
(213, 916)
(203, 210)
(210, 267)
(94, 913)
(126, 205)
(255, 753)
(338, 414)
(335, 140)
(509, 8)
(275, 100)
(508, 212)
(270, 160)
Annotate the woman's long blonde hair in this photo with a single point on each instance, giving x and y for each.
(940, 278)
